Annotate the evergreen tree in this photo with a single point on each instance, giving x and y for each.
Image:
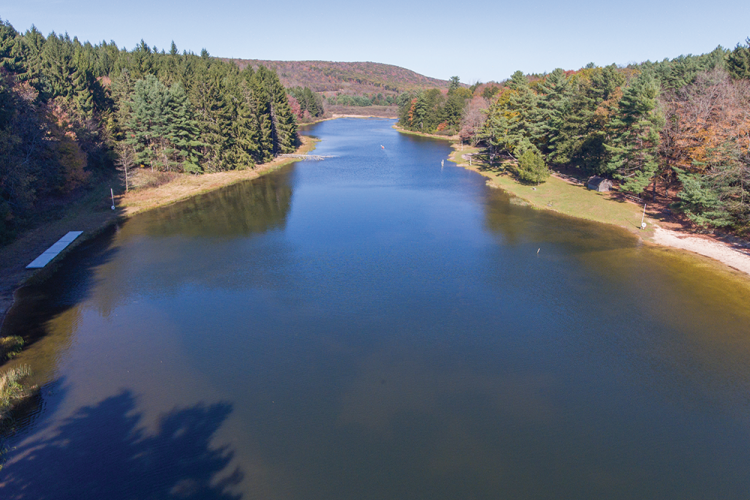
(148, 126)
(585, 129)
(182, 130)
(11, 58)
(284, 123)
(513, 119)
(636, 134)
(454, 105)
(531, 166)
(212, 114)
(553, 108)
(261, 109)
(738, 61)
(57, 66)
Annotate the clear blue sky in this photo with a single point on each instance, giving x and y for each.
(478, 41)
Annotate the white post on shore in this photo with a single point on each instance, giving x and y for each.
(643, 224)
(112, 192)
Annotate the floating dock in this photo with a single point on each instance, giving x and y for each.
(54, 250)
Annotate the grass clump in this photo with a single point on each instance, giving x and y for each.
(11, 389)
(10, 346)
(12, 392)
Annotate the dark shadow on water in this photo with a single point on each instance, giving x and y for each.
(64, 286)
(241, 209)
(102, 453)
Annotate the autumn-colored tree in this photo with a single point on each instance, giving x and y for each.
(295, 107)
(473, 120)
(700, 119)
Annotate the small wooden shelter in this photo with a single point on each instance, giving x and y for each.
(600, 184)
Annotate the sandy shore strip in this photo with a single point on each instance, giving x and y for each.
(733, 257)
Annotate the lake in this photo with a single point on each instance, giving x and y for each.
(379, 326)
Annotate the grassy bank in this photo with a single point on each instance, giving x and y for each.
(187, 186)
(558, 195)
(432, 136)
(93, 214)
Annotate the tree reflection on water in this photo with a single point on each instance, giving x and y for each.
(100, 452)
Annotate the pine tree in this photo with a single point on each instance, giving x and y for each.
(284, 123)
(148, 126)
(261, 105)
(585, 129)
(420, 111)
(531, 167)
(57, 66)
(636, 134)
(11, 58)
(512, 121)
(553, 109)
(212, 114)
(454, 105)
(738, 61)
(182, 130)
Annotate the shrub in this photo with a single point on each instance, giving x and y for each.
(531, 167)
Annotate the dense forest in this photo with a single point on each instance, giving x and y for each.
(433, 110)
(71, 111)
(675, 129)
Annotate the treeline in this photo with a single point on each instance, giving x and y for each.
(362, 100)
(70, 110)
(434, 111)
(677, 129)
(678, 125)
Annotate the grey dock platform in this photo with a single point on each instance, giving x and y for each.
(54, 250)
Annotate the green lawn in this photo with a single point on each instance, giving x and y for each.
(561, 196)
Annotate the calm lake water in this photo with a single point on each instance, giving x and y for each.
(374, 326)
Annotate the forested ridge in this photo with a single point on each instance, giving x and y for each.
(359, 77)
(676, 129)
(72, 111)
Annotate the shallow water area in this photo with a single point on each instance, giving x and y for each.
(377, 326)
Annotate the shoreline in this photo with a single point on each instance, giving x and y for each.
(336, 116)
(450, 138)
(23, 250)
(728, 257)
(16, 255)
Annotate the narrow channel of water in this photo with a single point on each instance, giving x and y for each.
(376, 326)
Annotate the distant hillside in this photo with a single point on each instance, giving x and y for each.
(349, 77)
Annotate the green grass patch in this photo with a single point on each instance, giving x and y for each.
(10, 346)
(557, 195)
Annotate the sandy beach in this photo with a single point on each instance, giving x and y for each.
(734, 257)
